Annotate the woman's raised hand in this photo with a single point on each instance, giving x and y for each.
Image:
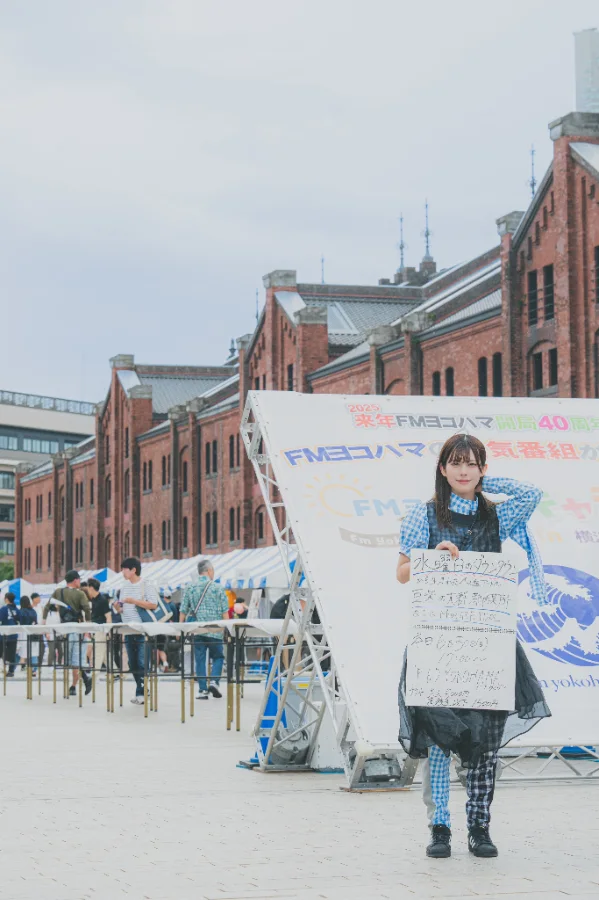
(447, 545)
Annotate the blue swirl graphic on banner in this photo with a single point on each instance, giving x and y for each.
(568, 630)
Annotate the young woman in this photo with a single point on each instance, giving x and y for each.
(460, 517)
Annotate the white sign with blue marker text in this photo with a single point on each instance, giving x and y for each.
(462, 630)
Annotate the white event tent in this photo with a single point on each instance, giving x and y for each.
(241, 569)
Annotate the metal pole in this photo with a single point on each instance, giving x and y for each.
(183, 678)
(237, 678)
(108, 668)
(65, 673)
(230, 694)
(145, 677)
(80, 682)
(93, 639)
(120, 673)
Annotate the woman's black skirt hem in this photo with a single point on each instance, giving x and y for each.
(470, 733)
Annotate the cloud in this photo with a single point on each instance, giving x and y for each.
(158, 158)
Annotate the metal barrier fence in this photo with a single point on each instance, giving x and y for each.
(69, 644)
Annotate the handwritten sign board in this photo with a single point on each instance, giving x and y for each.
(462, 633)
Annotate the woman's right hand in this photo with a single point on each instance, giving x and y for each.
(448, 545)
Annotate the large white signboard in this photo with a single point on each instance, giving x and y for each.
(350, 468)
(462, 630)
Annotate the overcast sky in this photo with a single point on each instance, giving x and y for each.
(160, 156)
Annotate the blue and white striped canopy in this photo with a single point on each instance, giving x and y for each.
(20, 587)
(261, 568)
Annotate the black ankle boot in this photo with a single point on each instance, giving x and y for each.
(480, 843)
(87, 682)
(440, 845)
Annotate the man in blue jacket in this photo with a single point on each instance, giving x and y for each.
(9, 615)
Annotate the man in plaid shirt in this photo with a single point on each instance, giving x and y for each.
(205, 601)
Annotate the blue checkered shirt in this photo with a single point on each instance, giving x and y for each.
(513, 515)
(214, 605)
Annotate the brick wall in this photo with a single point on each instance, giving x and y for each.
(461, 351)
(562, 230)
(355, 380)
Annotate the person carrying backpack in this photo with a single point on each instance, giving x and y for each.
(9, 615)
(74, 606)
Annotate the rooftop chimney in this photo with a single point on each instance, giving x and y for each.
(586, 50)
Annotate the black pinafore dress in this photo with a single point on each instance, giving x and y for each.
(470, 732)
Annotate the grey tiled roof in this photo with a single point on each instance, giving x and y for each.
(41, 470)
(228, 403)
(171, 390)
(364, 313)
(356, 353)
(157, 429)
(588, 152)
(489, 304)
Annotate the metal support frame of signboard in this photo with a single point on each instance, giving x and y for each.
(321, 692)
(302, 680)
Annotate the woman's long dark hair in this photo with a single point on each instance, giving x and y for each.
(457, 449)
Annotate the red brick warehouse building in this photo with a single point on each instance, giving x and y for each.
(165, 475)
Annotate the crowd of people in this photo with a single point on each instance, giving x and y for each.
(84, 601)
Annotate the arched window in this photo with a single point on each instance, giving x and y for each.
(150, 475)
(232, 523)
(449, 384)
(483, 388)
(163, 535)
(164, 471)
(145, 539)
(184, 477)
(214, 457)
(436, 384)
(260, 532)
(150, 538)
(215, 527)
(108, 495)
(497, 375)
(145, 477)
(238, 523)
(207, 457)
(232, 451)
(107, 551)
(552, 366)
(126, 491)
(395, 388)
(127, 544)
(533, 297)
(208, 528)
(185, 536)
(542, 367)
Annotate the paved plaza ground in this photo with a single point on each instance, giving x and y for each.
(104, 806)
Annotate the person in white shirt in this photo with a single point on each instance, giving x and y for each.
(137, 594)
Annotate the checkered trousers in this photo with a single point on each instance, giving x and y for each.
(480, 779)
(480, 786)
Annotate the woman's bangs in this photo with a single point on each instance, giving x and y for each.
(461, 454)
